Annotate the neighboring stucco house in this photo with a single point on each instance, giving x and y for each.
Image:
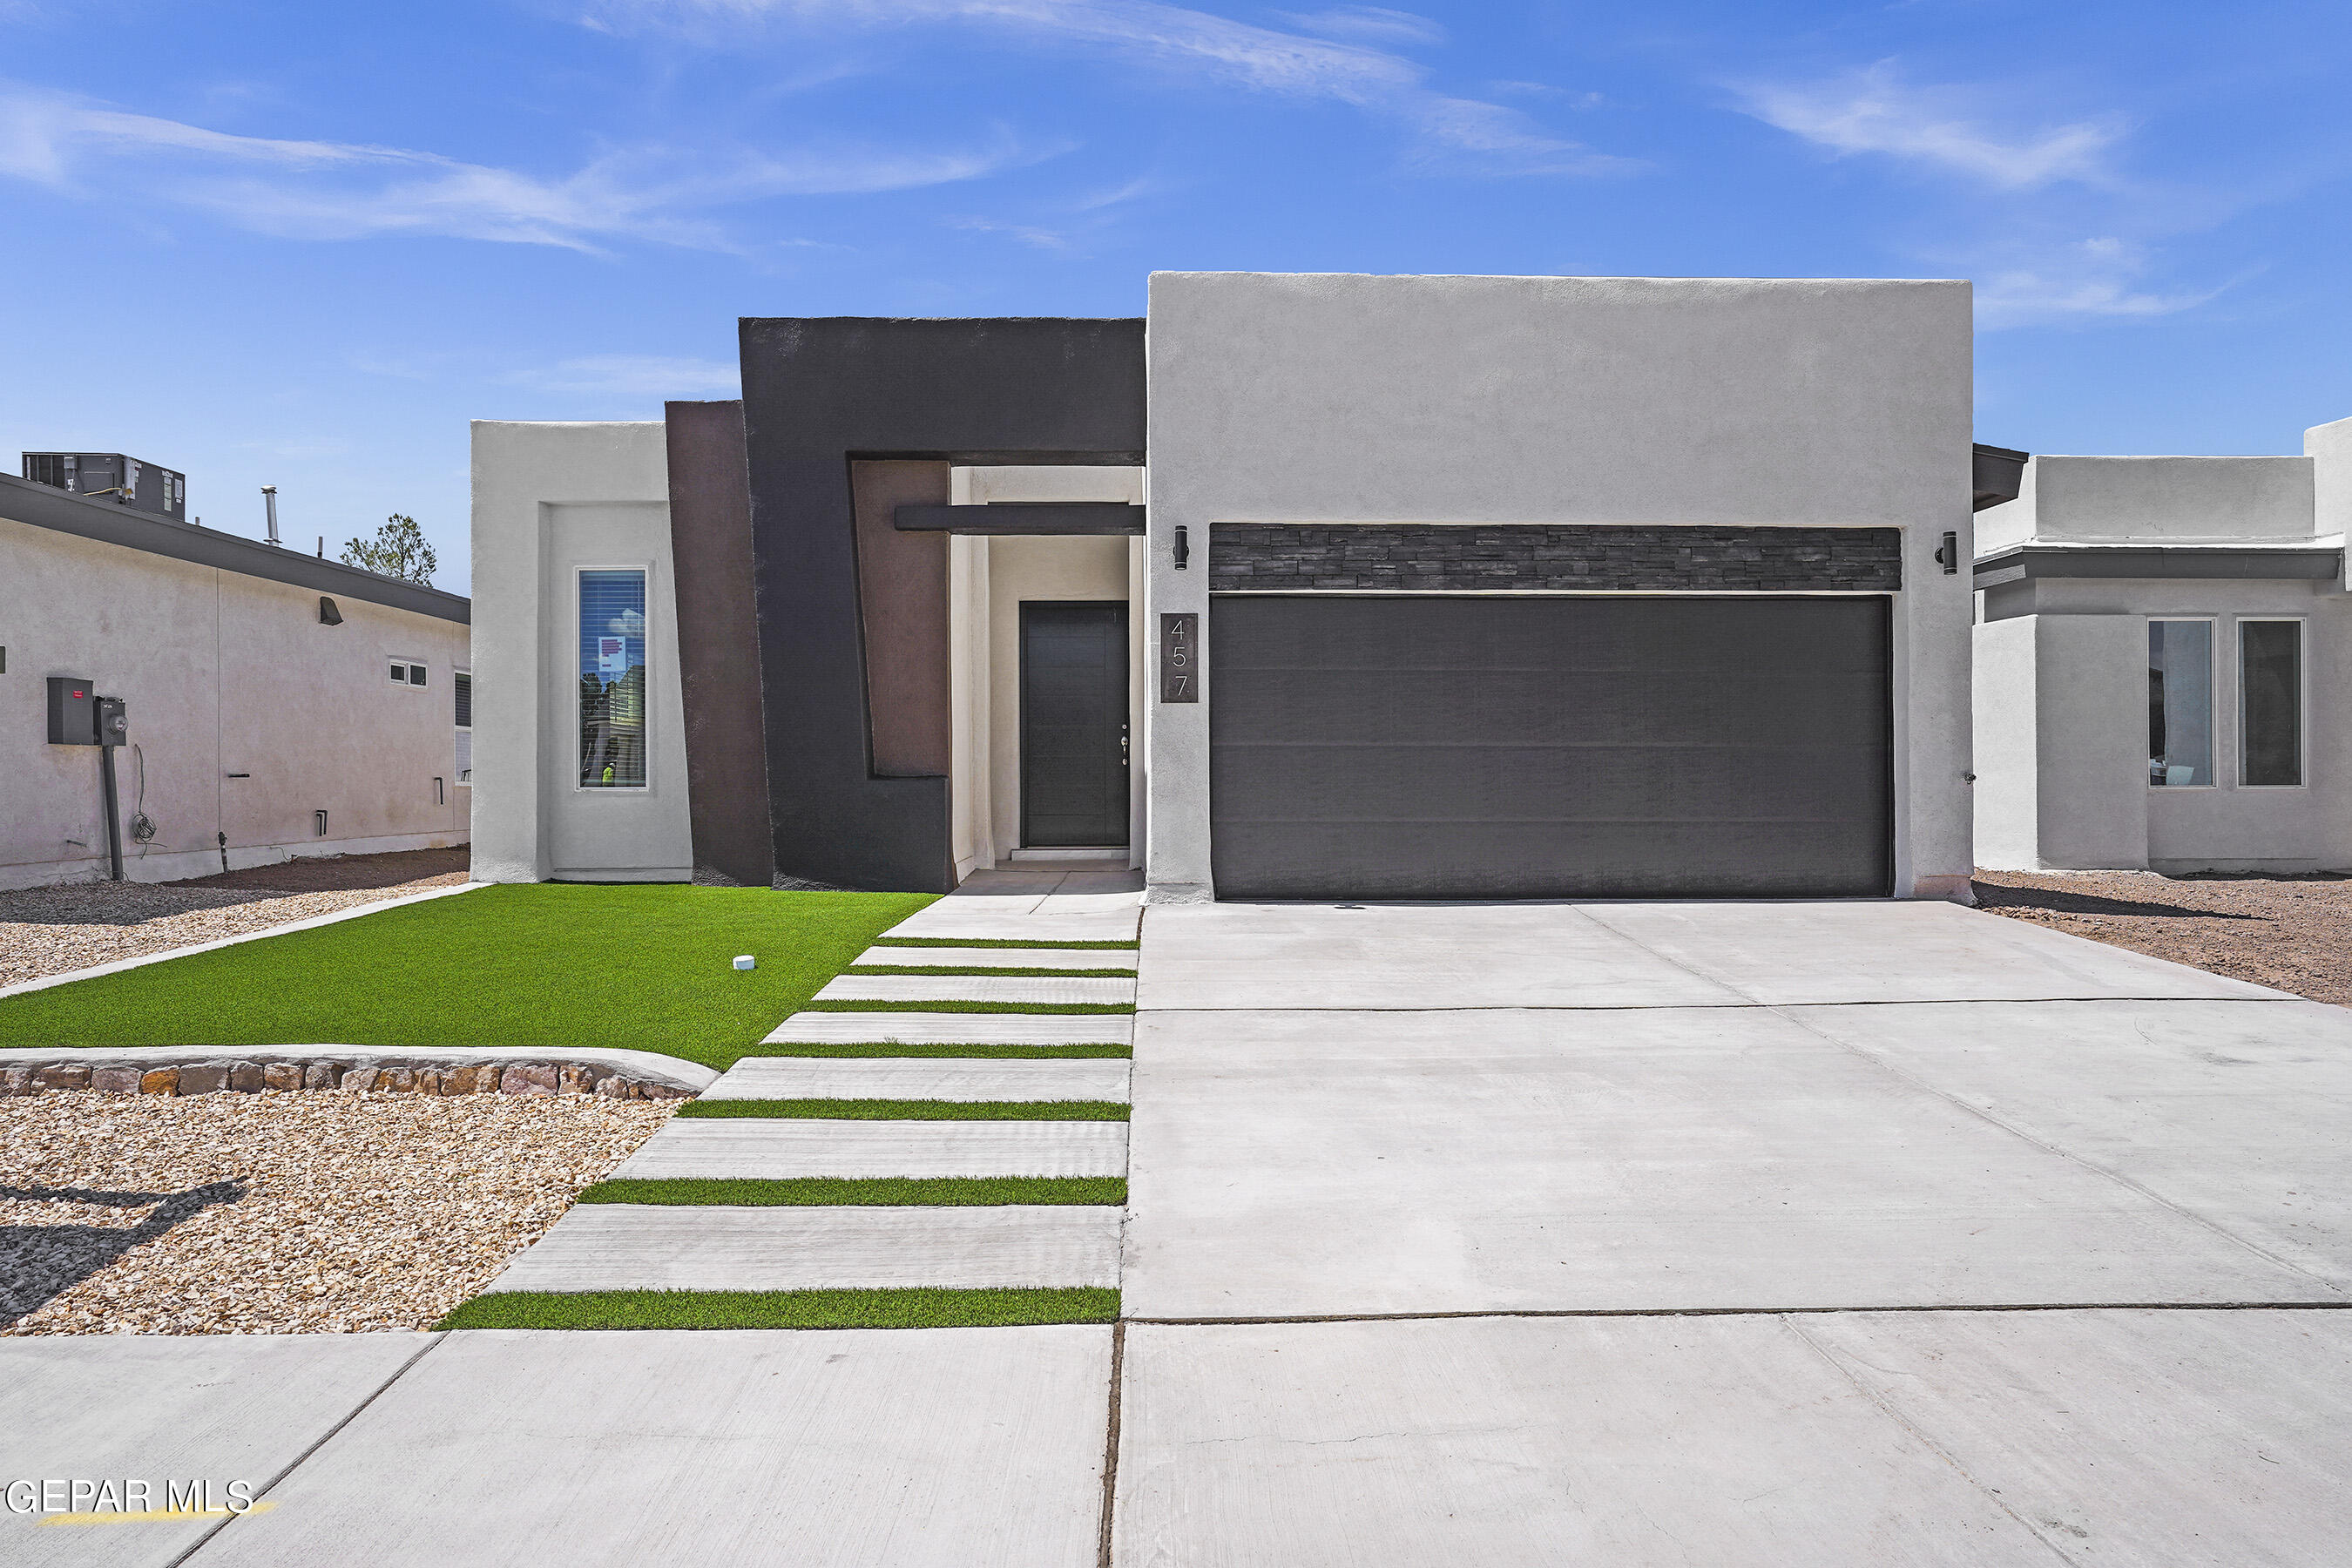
(2161, 657)
(278, 704)
(1301, 586)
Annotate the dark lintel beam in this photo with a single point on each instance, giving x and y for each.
(1023, 517)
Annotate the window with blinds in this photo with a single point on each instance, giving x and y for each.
(463, 680)
(612, 678)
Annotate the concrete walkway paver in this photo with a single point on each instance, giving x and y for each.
(630, 1247)
(966, 1079)
(157, 1408)
(997, 958)
(1033, 990)
(780, 1148)
(955, 1029)
(819, 1448)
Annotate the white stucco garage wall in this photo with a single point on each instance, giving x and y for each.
(2062, 743)
(1347, 398)
(549, 499)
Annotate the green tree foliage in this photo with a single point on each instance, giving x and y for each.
(398, 550)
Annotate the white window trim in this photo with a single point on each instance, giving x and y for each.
(2303, 698)
(611, 791)
(2212, 692)
(391, 658)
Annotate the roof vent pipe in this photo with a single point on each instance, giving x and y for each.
(269, 501)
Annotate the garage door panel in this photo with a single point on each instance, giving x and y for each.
(1470, 747)
(1758, 706)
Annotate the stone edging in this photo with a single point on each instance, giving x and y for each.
(47, 981)
(414, 1069)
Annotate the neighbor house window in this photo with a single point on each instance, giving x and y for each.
(2179, 702)
(408, 672)
(612, 678)
(463, 680)
(2270, 702)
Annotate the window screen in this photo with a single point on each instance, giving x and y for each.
(613, 679)
(2179, 702)
(2270, 702)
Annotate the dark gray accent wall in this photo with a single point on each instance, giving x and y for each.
(817, 394)
(1413, 558)
(902, 592)
(2019, 564)
(717, 640)
(45, 505)
(1048, 517)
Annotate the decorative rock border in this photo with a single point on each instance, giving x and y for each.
(444, 1070)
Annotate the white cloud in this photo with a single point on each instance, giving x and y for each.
(1872, 110)
(332, 190)
(634, 375)
(1176, 38)
(1043, 238)
(1367, 24)
(2089, 279)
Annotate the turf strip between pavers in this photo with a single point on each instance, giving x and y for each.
(935, 1048)
(863, 1191)
(888, 940)
(873, 971)
(908, 1110)
(913, 1309)
(834, 1004)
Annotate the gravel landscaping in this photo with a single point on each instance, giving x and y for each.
(55, 931)
(2291, 932)
(283, 1213)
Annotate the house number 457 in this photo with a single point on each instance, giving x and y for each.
(1180, 658)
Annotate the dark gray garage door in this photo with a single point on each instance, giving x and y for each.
(1462, 747)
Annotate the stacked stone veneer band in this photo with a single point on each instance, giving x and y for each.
(1538, 557)
(252, 1076)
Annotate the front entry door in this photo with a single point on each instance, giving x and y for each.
(1073, 724)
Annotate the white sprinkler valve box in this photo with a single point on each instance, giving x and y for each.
(745, 960)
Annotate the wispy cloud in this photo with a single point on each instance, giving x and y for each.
(1027, 234)
(1874, 110)
(2090, 278)
(1458, 133)
(1367, 24)
(333, 189)
(634, 376)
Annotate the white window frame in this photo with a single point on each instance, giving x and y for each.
(2302, 698)
(410, 663)
(2213, 694)
(571, 636)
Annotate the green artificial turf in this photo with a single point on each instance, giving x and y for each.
(831, 1005)
(1005, 941)
(911, 1109)
(992, 972)
(930, 1048)
(866, 1191)
(569, 967)
(784, 1309)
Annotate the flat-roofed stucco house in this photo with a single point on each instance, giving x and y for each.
(1299, 586)
(2161, 655)
(278, 704)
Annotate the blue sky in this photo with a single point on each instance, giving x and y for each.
(303, 245)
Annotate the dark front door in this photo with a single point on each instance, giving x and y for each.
(1473, 747)
(1073, 724)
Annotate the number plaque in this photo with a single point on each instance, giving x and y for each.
(1180, 658)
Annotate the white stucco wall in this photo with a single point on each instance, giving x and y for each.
(549, 499)
(2159, 500)
(224, 673)
(1344, 398)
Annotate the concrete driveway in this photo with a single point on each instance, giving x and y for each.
(1841, 1233)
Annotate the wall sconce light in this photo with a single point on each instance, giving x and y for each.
(328, 614)
(1184, 548)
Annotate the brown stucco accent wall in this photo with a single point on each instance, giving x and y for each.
(718, 641)
(902, 598)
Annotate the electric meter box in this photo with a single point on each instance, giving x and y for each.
(73, 711)
(113, 721)
(110, 476)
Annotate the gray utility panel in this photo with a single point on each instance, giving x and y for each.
(1398, 746)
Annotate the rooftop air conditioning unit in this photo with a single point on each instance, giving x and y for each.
(110, 476)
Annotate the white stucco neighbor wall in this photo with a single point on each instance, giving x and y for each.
(1346, 398)
(549, 499)
(225, 674)
(2155, 500)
